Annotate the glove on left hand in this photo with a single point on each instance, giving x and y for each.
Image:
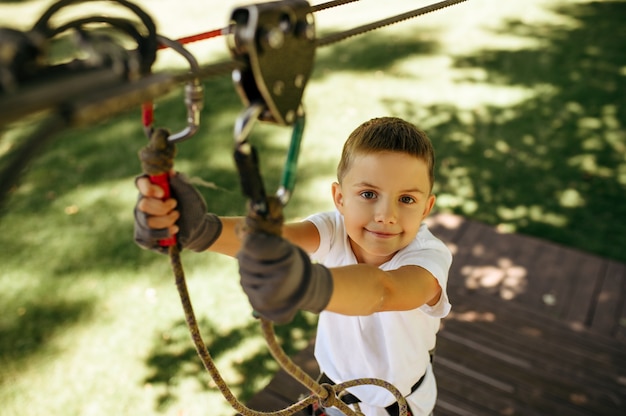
(197, 228)
(279, 278)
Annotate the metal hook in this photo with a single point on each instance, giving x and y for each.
(246, 159)
(194, 101)
(194, 96)
(245, 122)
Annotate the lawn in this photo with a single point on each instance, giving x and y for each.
(525, 104)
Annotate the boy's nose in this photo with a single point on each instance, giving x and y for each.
(386, 212)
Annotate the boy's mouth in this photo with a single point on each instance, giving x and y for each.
(381, 234)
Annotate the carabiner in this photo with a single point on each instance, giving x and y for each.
(194, 97)
(247, 161)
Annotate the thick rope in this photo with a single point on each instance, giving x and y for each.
(203, 351)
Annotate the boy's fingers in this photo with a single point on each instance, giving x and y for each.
(153, 206)
(164, 221)
(147, 188)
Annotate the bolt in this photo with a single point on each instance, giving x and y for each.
(279, 87)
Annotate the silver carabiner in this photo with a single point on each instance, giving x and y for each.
(194, 95)
(245, 122)
(194, 101)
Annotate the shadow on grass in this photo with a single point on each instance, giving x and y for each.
(175, 358)
(553, 166)
(34, 325)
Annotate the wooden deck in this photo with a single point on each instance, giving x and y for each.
(535, 329)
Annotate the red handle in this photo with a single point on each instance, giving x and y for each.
(163, 181)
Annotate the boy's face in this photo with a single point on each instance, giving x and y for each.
(383, 198)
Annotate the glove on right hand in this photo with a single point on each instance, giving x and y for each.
(197, 228)
(279, 278)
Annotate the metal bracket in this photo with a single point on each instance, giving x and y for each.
(276, 42)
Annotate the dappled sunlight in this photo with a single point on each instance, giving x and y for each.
(472, 316)
(521, 214)
(505, 278)
(550, 160)
(447, 221)
(443, 225)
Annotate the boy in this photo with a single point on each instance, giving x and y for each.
(380, 278)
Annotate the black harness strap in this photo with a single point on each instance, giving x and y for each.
(349, 398)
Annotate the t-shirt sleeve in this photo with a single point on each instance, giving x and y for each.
(326, 228)
(434, 256)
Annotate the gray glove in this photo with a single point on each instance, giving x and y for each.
(279, 278)
(197, 228)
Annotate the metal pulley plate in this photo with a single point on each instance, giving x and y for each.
(276, 42)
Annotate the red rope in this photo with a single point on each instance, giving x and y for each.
(200, 36)
(147, 113)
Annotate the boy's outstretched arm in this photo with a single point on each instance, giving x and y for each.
(186, 214)
(279, 279)
(277, 276)
(362, 289)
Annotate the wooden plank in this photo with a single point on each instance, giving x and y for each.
(465, 392)
(566, 363)
(552, 278)
(620, 333)
(519, 282)
(475, 266)
(606, 314)
(509, 315)
(543, 268)
(479, 392)
(520, 386)
(528, 361)
(581, 287)
(267, 401)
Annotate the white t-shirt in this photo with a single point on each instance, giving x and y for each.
(393, 346)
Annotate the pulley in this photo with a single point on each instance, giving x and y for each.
(276, 43)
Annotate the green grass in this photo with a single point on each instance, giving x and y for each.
(524, 103)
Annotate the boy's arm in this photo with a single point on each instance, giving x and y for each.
(279, 278)
(157, 219)
(362, 289)
(303, 234)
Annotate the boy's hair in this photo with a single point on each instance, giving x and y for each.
(391, 134)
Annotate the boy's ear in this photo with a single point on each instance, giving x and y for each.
(430, 203)
(337, 195)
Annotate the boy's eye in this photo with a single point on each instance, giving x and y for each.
(407, 200)
(368, 194)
